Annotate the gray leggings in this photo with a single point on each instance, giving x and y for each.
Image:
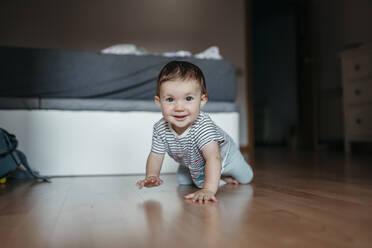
(235, 166)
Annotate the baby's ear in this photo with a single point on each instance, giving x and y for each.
(204, 100)
(157, 100)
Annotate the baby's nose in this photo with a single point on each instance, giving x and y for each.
(179, 106)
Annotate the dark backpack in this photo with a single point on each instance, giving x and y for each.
(11, 158)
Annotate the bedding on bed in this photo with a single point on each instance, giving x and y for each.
(212, 52)
(51, 73)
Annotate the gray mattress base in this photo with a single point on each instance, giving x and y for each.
(100, 105)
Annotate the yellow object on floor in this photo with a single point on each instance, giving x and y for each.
(3, 180)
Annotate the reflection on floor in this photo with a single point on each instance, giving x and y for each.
(297, 199)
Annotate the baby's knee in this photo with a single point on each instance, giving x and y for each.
(183, 180)
(183, 176)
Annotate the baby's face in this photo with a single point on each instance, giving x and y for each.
(180, 103)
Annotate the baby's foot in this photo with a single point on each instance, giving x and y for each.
(229, 180)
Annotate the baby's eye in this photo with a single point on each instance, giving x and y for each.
(169, 99)
(189, 98)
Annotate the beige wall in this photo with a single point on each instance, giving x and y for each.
(156, 25)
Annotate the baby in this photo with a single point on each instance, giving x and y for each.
(204, 151)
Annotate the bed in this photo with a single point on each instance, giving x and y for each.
(88, 113)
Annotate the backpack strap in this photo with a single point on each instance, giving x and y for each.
(10, 140)
(21, 159)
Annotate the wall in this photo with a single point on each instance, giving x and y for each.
(335, 24)
(158, 26)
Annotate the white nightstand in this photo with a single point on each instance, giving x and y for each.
(357, 94)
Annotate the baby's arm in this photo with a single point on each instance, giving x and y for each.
(213, 165)
(153, 167)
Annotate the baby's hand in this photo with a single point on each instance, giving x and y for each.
(150, 181)
(203, 195)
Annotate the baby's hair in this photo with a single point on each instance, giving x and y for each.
(181, 70)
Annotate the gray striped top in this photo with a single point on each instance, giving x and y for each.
(186, 149)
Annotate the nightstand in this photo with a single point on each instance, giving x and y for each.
(356, 66)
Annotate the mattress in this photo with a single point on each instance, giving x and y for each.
(51, 73)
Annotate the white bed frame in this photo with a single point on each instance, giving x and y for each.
(75, 143)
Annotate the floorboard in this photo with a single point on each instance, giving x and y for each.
(297, 199)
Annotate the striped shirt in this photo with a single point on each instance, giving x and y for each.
(186, 149)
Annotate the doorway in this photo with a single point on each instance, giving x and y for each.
(283, 98)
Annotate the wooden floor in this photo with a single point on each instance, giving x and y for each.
(296, 200)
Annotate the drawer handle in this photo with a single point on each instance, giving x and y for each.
(357, 67)
(358, 121)
(357, 92)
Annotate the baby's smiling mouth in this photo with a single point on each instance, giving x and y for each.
(180, 117)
